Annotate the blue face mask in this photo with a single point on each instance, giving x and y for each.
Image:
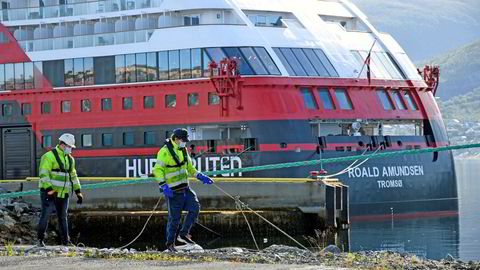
(182, 144)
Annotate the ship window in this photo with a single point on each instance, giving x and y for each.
(284, 62)
(163, 65)
(128, 138)
(9, 77)
(254, 61)
(148, 102)
(141, 66)
(152, 74)
(213, 98)
(250, 144)
(86, 105)
(382, 95)
(68, 72)
(87, 140)
(206, 61)
(317, 64)
(66, 106)
(106, 104)
(2, 77)
(242, 65)
(104, 69)
(170, 101)
(46, 107)
(19, 75)
(307, 66)
(326, 63)
(394, 73)
(196, 63)
(326, 99)
(107, 139)
(78, 71)
(185, 64)
(88, 72)
(28, 75)
(3, 38)
(7, 110)
(293, 61)
(308, 99)
(130, 72)
(267, 61)
(410, 100)
(379, 65)
(216, 54)
(47, 141)
(127, 103)
(193, 99)
(149, 137)
(174, 64)
(343, 99)
(26, 109)
(120, 68)
(38, 74)
(398, 100)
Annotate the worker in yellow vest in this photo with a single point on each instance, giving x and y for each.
(57, 177)
(171, 171)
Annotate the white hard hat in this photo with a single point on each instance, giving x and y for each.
(68, 139)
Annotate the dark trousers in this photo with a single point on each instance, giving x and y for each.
(188, 201)
(61, 207)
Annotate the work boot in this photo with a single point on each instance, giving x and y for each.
(185, 239)
(171, 247)
(40, 243)
(68, 244)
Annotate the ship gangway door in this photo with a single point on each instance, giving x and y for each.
(17, 153)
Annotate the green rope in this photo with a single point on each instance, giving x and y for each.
(263, 167)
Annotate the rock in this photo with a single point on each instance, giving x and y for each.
(19, 207)
(8, 222)
(449, 258)
(332, 249)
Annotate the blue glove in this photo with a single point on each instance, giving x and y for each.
(168, 192)
(205, 179)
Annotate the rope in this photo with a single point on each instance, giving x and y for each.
(239, 207)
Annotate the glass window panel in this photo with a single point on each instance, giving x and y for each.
(148, 102)
(152, 70)
(326, 99)
(374, 71)
(242, 64)
(46, 107)
(213, 98)
(26, 109)
(267, 61)
(398, 100)
(343, 99)
(308, 99)
(86, 105)
(128, 138)
(104, 70)
(292, 60)
(361, 62)
(120, 76)
(106, 104)
(284, 62)
(38, 75)
(193, 99)
(66, 106)
(382, 95)
(9, 77)
(107, 139)
(149, 137)
(326, 63)
(196, 63)
(78, 71)
(131, 75)
(88, 74)
(87, 140)
(47, 141)
(2, 77)
(307, 66)
(380, 66)
(185, 64)
(68, 72)
(170, 101)
(317, 64)
(216, 54)
(141, 64)
(7, 109)
(410, 100)
(174, 65)
(19, 76)
(28, 75)
(127, 103)
(163, 65)
(254, 61)
(206, 62)
(388, 65)
(395, 64)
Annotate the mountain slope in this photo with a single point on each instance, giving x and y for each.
(464, 107)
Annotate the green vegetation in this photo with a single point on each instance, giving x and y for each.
(463, 107)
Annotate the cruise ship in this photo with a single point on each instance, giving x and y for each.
(311, 79)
